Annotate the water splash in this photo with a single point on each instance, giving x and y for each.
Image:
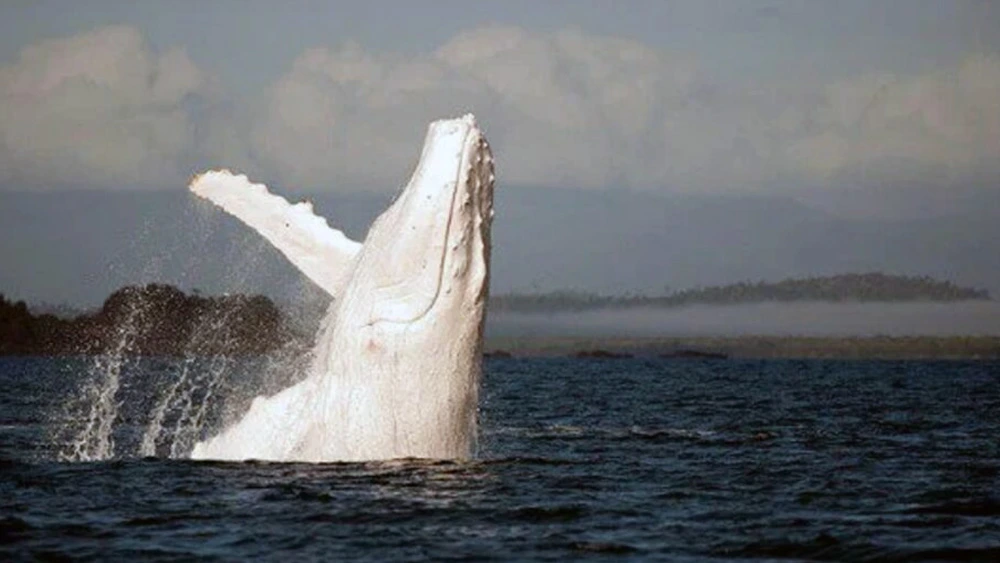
(126, 405)
(147, 448)
(191, 418)
(98, 397)
(132, 406)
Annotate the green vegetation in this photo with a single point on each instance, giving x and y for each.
(868, 287)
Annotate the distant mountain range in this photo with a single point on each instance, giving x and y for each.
(77, 247)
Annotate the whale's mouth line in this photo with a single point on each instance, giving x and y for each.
(464, 166)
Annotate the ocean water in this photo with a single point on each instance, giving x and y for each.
(636, 459)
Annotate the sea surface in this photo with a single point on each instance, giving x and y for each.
(579, 459)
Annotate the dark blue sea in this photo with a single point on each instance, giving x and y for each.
(579, 459)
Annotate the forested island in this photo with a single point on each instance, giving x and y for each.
(864, 287)
(158, 319)
(155, 319)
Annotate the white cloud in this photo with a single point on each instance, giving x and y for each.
(572, 109)
(98, 109)
(895, 125)
(563, 109)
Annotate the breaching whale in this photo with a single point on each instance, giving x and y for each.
(397, 359)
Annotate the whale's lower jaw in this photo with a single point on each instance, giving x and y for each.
(297, 424)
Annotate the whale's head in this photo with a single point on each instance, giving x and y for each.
(424, 268)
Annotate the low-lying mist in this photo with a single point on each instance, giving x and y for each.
(966, 318)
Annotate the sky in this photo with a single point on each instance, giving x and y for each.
(864, 107)
(666, 96)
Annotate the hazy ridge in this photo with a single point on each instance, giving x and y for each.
(852, 287)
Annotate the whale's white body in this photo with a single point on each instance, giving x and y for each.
(398, 356)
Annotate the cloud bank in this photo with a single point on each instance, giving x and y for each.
(98, 109)
(565, 109)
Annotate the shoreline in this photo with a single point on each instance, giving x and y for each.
(756, 347)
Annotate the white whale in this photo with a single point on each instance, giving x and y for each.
(398, 356)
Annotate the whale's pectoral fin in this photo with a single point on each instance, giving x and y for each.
(325, 255)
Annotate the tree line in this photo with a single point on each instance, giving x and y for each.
(863, 287)
(154, 319)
